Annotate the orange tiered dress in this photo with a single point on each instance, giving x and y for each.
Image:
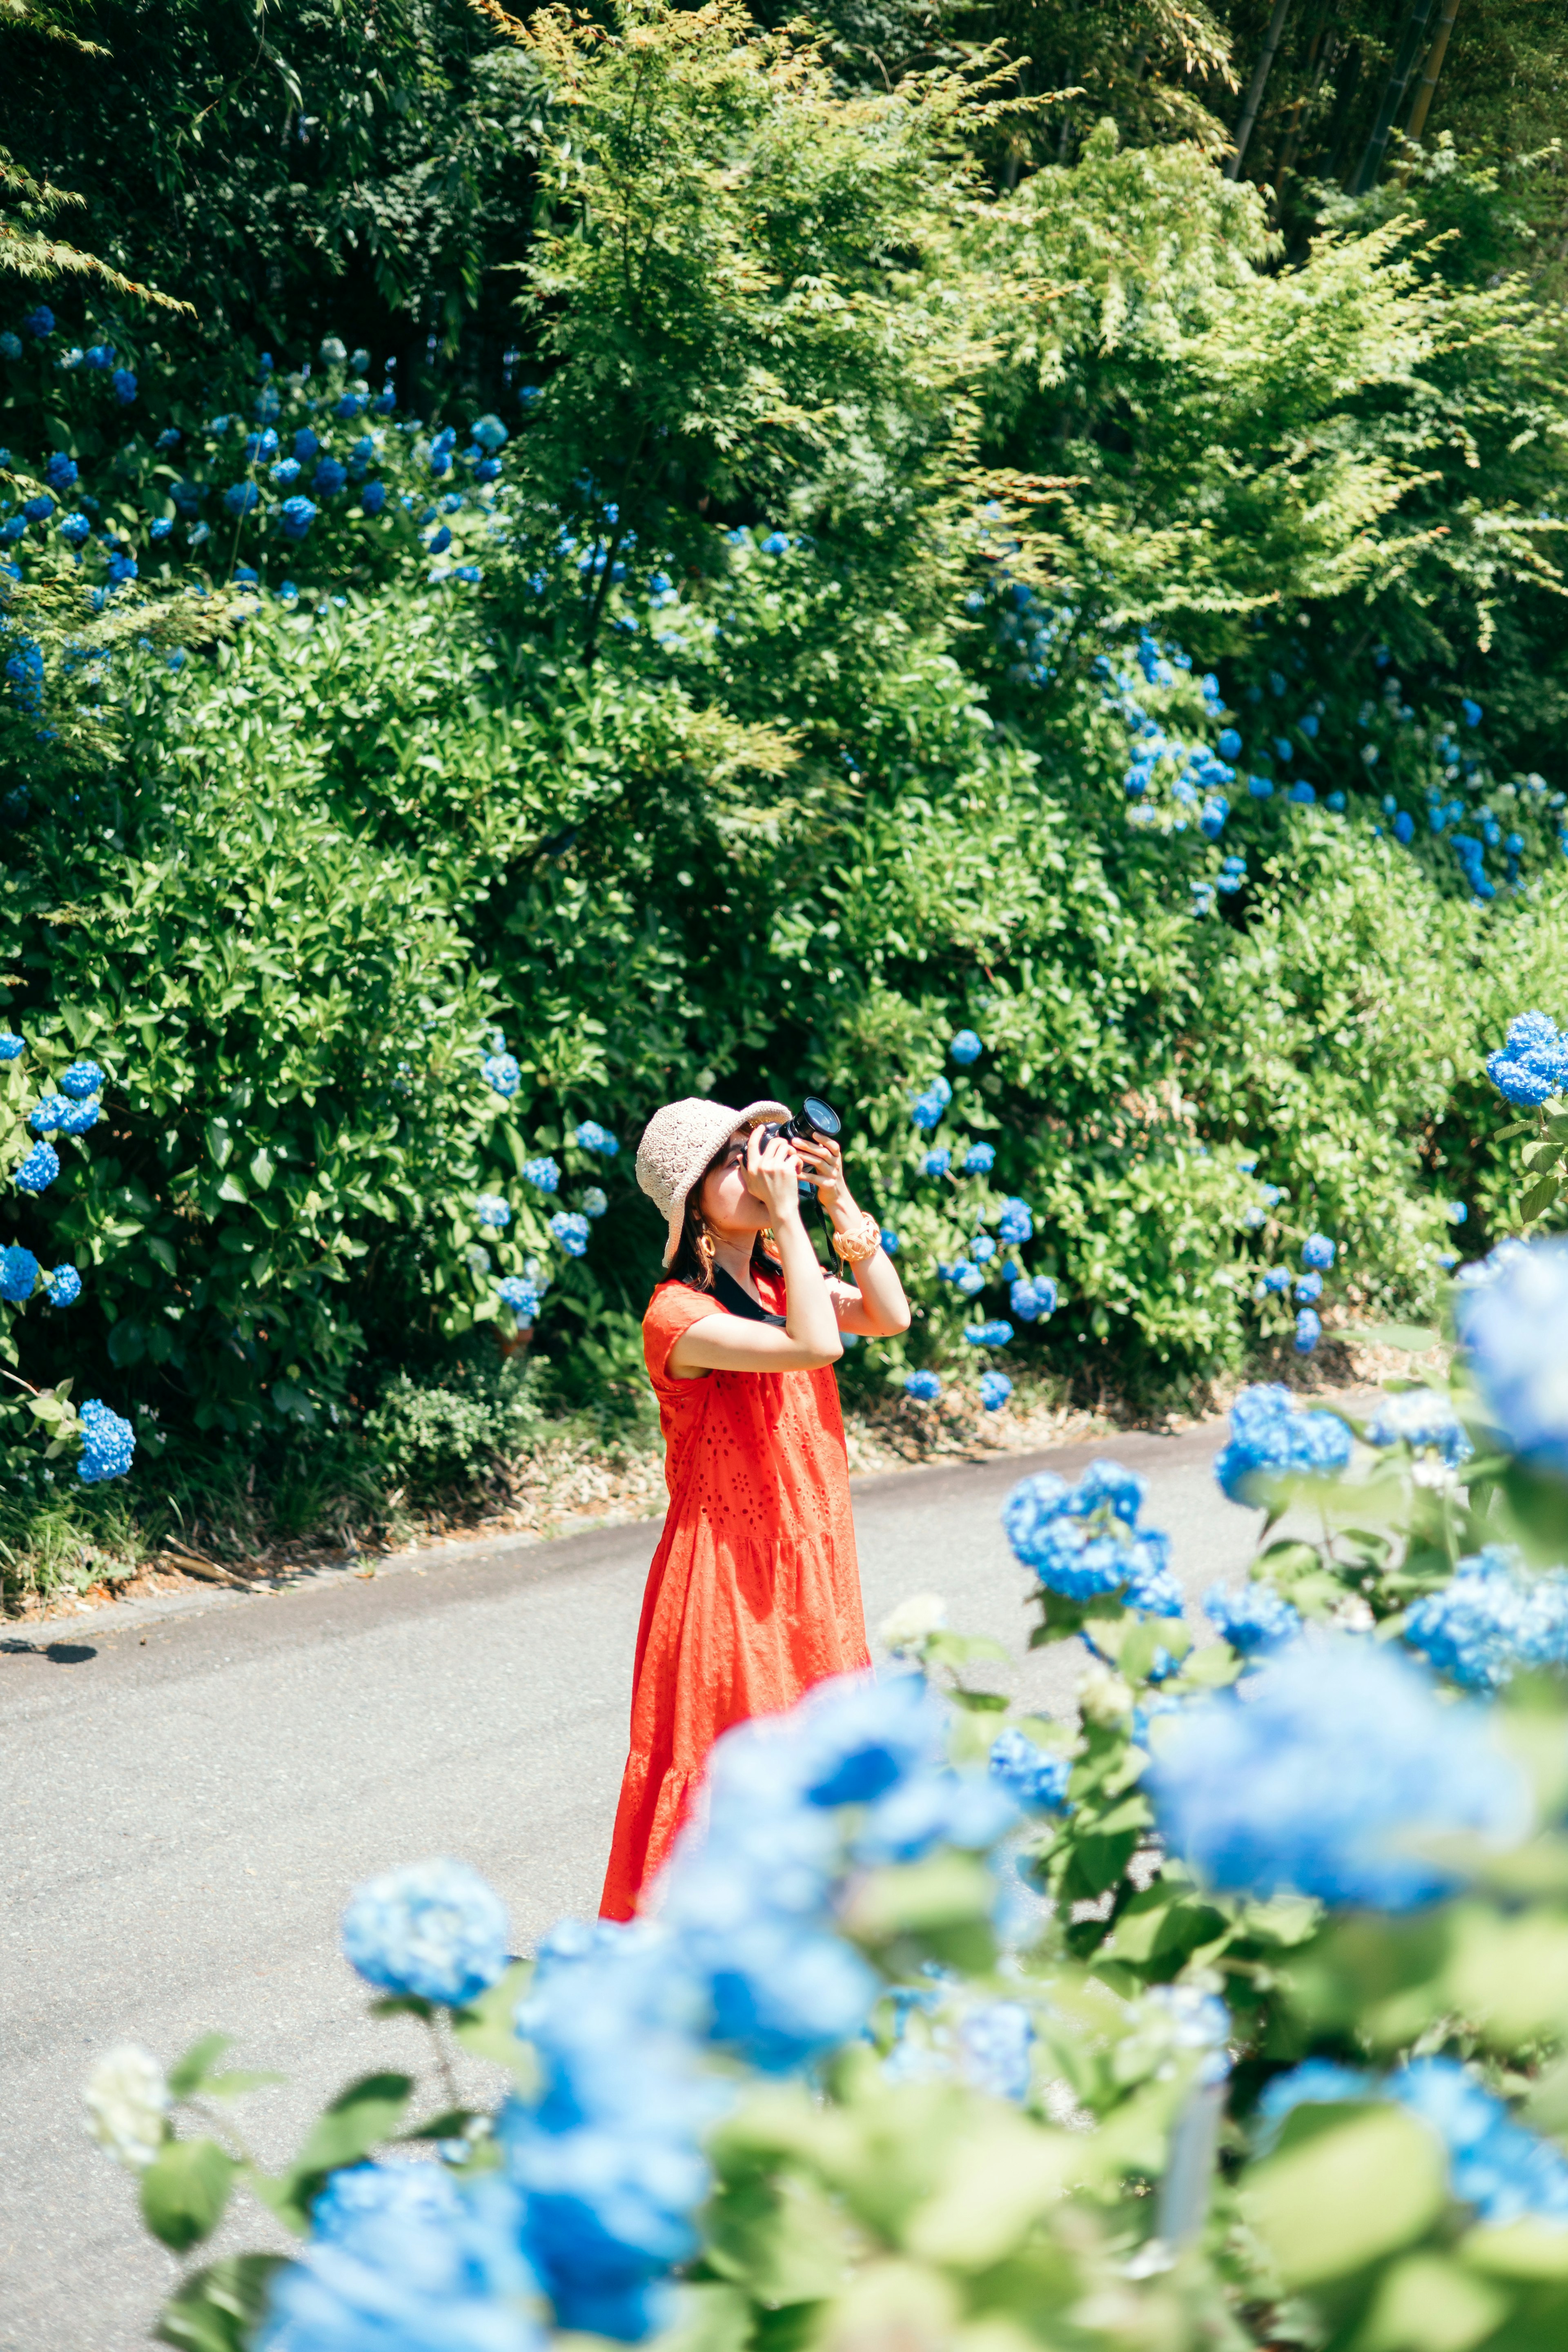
(754, 1594)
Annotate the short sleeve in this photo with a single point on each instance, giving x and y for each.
(674, 1307)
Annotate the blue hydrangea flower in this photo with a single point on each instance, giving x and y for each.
(964, 1047)
(39, 508)
(992, 1334)
(372, 497)
(12, 1047)
(591, 1137)
(75, 530)
(936, 1163)
(1456, 1211)
(924, 1387)
(489, 1209)
(1425, 1421)
(60, 473)
(980, 1159)
(1472, 711)
(79, 1117)
(40, 322)
(571, 1231)
(890, 1239)
(967, 1278)
(1084, 1540)
(1310, 1288)
(108, 1447)
(1032, 1777)
(522, 1296)
(47, 1113)
(542, 1173)
(1273, 1441)
(38, 1170)
(1308, 1330)
(995, 2042)
(1274, 1282)
(1017, 1222)
(1513, 1324)
(435, 1929)
(504, 1075)
(1339, 1760)
(242, 497)
(489, 432)
(1229, 744)
(10, 345)
(982, 1249)
(1254, 1619)
(124, 385)
(595, 1201)
(402, 2259)
(286, 473)
(329, 478)
(995, 1389)
(1033, 1298)
(295, 517)
(1532, 1065)
(63, 1285)
(18, 1274)
(1490, 1620)
(1318, 1251)
(306, 446)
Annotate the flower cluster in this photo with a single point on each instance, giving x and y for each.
(1036, 1777)
(591, 1137)
(995, 1389)
(571, 1229)
(1423, 1421)
(1532, 1065)
(1085, 1541)
(1490, 1620)
(436, 1930)
(927, 1106)
(1513, 1326)
(1323, 1779)
(992, 1334)
(924, 1387)
(542, 1173)
(1273, 1442)
(108, 1442)
(1255, 1621)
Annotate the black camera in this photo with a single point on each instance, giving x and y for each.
(813, 1118)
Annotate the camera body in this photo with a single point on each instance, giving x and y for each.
(814, 1117)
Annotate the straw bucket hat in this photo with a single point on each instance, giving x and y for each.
(678, 1142)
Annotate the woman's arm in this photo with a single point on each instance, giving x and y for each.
(732, 1343)
(882, 1309)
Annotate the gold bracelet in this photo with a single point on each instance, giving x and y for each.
(863, 1242)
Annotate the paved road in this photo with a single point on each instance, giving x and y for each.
(188, 1800)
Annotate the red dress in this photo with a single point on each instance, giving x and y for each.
(754, 1594)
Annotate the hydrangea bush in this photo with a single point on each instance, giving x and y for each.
(1229, 2012)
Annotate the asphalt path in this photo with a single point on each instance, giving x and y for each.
(189, 1797)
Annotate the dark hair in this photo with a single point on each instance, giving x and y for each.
(689, 1264)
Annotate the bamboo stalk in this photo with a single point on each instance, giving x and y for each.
(1253, 98)
(1435, 55)
(1398, 81)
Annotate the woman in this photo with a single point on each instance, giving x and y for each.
(754, 1594)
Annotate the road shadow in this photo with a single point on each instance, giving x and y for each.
(58, 1654)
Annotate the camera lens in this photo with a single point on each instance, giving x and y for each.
(822, 1116)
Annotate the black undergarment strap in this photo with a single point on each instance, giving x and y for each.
(736, 1301)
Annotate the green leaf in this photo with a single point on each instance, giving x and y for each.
(358, 2120)
(219, 2309)
(185, 2190)
(1346, 2194)
(1428, 2304)
(1539, 1198)
(782, 2237)
(1410, 1338)
(485, 2028)
(188, 2072)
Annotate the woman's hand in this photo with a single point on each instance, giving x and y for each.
(823, 1164)
(773, 1174)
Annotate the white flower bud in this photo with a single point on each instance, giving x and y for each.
(912, 1623)
(128, 2104)
(1103, 1697)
